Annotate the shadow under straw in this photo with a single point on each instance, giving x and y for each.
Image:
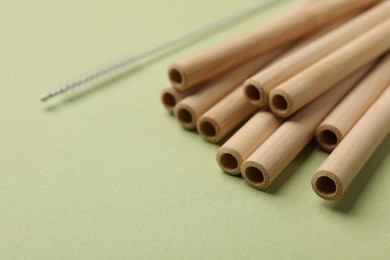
(349, 200)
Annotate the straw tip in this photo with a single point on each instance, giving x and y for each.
(327, 185)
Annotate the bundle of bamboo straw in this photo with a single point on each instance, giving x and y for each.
(321, 69)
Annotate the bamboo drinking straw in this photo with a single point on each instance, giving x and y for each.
(258, 87)
(190, 108)
(338, 123)
(246, 140)
(232, 110)
(224, 116)
(268, 161)
(284, 29)
(306, 86)
(170, 97)
(344, 163)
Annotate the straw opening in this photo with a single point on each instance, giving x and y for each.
(254, 175)
(252, 93)
(328, 137)
(175, 76)
(168, 100)
(228, 161)
(279, 102)
(325, 185)
(207, 129)
(184, 116)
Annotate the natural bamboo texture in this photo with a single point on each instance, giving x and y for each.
(232, 110)
(189, 109)
(259, 86)
(340, 121)
(268, 161)
(306, 86)
(246, 140)
(344, 163)
(283, 29)
(224, 116)
(170, 97)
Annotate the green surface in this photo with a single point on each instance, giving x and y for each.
(109, 174)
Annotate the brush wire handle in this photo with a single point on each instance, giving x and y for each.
(114, 68)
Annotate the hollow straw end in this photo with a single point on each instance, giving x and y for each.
(209, 129)
(328, 137)
(177, 77)
(185, 116)
(168, 99)
(255, 175)
(229, 160)
(280, 103)
(327, 185)
(254, 93)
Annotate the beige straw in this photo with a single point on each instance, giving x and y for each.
(268, 161)
(344, 163)
(284, 29)
(224, 116)
(258, 87)
(246, 140)
(170, 97)
(189, 109)
(306, 86)
(232, 110)
(338, 123)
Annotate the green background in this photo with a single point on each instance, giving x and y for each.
(108, 174)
